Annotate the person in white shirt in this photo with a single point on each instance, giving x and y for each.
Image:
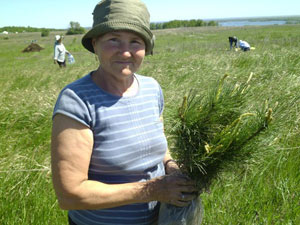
(60, 52)
(244, 45)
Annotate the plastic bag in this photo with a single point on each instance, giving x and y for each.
(71, 59)
(173, 215)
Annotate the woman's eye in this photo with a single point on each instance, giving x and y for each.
(113, 40)
(134, 41)
(137, 42)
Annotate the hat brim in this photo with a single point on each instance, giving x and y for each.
(104, 28)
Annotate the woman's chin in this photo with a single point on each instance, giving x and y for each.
(127, 72)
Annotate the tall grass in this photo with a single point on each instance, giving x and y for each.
(264, 189)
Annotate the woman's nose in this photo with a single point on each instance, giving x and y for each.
(125, 49)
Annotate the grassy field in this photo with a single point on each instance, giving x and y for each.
(264, 189)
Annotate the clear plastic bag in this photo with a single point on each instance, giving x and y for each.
(71, 59)
(189, 215)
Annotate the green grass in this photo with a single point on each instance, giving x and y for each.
(264, 189)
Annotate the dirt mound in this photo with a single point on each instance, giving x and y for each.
(33, 47)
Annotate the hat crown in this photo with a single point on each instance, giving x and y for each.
(116, 15)
(129, 11)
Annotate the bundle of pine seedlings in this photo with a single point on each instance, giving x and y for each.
(211, 130)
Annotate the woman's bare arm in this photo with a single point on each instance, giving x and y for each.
(71, 149)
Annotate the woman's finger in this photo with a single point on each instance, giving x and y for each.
(188, 189)
(181, 180)
(187, 197)
(179, 203)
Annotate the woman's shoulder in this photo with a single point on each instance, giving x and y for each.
(146, 80)
(82, 83)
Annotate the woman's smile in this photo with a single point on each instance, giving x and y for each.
(120, 53)
(124, 62)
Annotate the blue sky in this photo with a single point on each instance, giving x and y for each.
(58, 14)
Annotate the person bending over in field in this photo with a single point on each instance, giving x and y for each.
(109, 156)
(233, 42)
(243, 45)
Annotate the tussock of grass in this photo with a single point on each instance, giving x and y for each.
(211, 129)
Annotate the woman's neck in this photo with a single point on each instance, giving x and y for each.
(121, 87)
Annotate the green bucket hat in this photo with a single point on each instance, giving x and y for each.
(113, 15)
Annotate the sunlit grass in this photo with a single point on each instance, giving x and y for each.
(264, 189)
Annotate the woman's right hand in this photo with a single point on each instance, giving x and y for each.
(175, 189)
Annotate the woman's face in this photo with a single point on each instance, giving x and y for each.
(120, 53)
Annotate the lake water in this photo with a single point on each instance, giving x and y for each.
(250, 23)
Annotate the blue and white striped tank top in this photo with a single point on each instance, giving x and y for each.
(129, 143)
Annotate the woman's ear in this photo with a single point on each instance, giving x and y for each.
(94, 42)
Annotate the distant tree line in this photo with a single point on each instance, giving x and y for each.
(74, 28)
(14, 29)
(182, 23)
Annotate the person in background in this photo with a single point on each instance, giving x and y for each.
(59, 52)
(232, 42)
(109, 155)
(243, 45)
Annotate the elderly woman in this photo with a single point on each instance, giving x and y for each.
(110, 161)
